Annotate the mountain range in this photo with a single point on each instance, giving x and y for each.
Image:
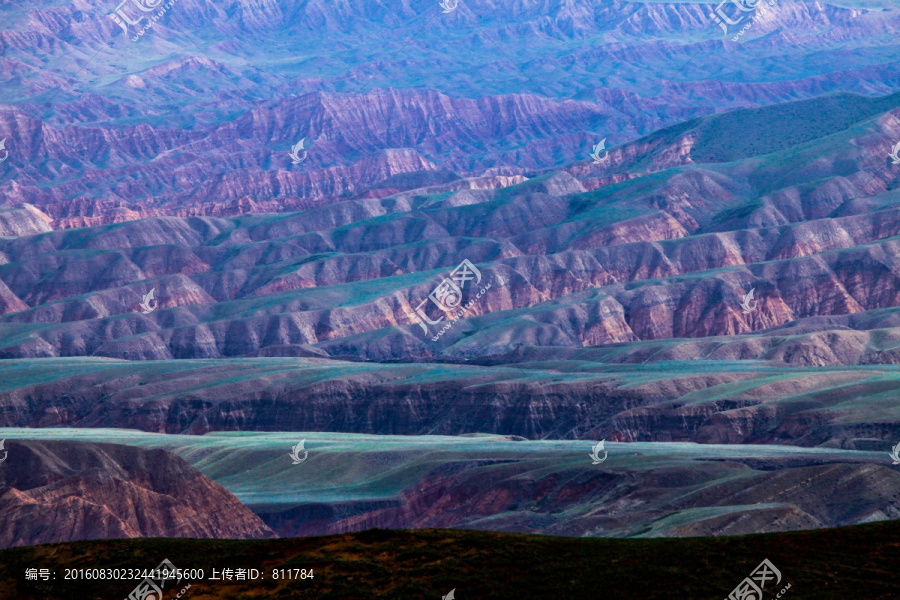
(198, 117)
(457, 250)
(660, 242)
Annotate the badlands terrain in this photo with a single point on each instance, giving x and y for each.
(198, 116)
(806, 218)
(451, 251)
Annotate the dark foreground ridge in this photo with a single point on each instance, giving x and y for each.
(846, 563)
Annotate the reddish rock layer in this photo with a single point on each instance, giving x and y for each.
(65, 491)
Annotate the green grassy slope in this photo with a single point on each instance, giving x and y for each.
(494, 483)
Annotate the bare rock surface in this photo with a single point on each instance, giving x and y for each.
(59, 491)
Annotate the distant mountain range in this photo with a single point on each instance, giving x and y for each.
(198, 116)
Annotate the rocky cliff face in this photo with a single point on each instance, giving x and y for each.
(53, 491)
(536, 394)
